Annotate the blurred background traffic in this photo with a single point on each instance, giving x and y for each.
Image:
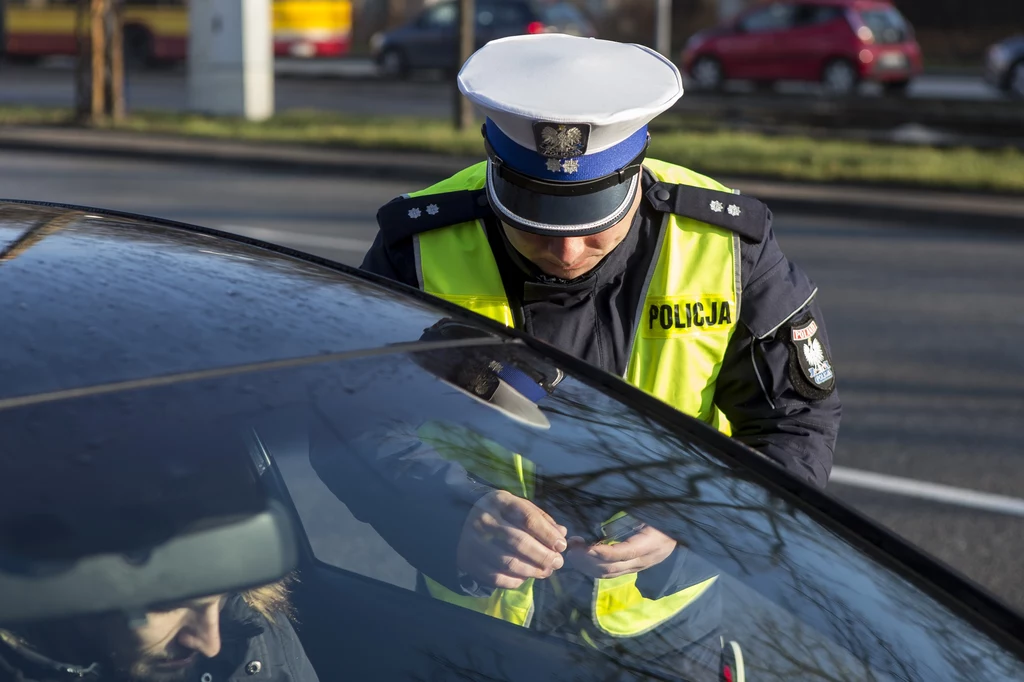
(760, 40)
(946, 72)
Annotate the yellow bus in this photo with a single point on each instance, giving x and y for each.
(157, 30)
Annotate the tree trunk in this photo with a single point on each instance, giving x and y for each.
(83, 48)
(467, 41)
(99, 46)
(116, 52)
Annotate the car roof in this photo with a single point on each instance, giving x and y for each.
(91, 297)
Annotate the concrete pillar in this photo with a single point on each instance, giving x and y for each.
(663, 28)
(231, 58)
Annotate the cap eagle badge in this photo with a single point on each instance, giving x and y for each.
(561, 140)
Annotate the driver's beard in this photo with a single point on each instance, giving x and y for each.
(106, 642)
(145, 670)
(124, 656)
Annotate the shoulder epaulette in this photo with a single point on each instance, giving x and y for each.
(745, 216)
(407, 216)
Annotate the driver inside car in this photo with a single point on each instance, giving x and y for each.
(245, 635)
(471, 524)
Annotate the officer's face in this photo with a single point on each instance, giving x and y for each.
(570, 257)
(171, 641)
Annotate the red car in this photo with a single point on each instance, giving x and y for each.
(836, 42)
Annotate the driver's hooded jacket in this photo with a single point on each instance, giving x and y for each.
(252, 648)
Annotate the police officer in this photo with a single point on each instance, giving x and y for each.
(645, 269)
(648, 270)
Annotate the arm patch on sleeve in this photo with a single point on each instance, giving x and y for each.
(810, 366)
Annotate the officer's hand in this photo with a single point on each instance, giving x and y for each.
(646, 548)
(507, 539)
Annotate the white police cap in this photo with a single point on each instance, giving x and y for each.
(566, 126)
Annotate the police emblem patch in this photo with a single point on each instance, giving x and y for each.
(561, 140)
(810, 365)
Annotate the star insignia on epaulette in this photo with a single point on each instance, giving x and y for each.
(717, 206)
(432, 209)
(414, 213)
(734, 210)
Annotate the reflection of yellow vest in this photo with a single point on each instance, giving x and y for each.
(690, 311)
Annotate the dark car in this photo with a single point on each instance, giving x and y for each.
(1004, 66)
(838, 43)
(184, 412)
(430, 40)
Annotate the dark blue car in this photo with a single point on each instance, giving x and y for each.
(1004, 66)
(430, 40)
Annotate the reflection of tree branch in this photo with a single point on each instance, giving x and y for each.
(803, 624)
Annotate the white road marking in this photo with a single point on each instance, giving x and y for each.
(299, 239)
(935, 492)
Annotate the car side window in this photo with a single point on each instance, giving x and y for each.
(888, 25)
(383, 456)
(509, 15)
(398, 453)
(776, 17)
(814, 15)
(441, 16)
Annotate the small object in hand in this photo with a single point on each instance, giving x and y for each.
(620, 529)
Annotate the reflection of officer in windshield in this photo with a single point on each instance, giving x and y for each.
(633, 591)
(512, 389)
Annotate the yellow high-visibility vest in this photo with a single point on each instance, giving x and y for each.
(690, 311)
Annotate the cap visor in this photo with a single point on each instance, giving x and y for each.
(559, 216)
(513, 404)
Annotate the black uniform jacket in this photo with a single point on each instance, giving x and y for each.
(418, 501)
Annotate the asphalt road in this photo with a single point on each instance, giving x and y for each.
(925, 322)
(167, 89)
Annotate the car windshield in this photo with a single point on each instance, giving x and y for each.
(887, 25)
(366, 448)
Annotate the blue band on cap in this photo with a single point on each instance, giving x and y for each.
(586, 167)
(518, 380)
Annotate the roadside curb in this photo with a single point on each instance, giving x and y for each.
(929, 207)
(343, 162)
